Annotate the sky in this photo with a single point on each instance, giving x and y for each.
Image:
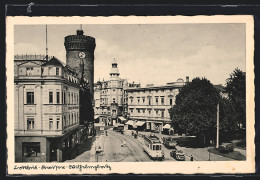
(148, 53)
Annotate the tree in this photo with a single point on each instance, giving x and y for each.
(195, 108)
(236, 91)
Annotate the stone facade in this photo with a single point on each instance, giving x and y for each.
(75, 44)
(46, 110)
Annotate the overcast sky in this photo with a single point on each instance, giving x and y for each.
(155, 54)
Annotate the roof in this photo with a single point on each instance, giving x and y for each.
(114, 71)
(114, 61)
(53, 61)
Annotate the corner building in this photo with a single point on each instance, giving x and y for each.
(46, 109)
(110, 100)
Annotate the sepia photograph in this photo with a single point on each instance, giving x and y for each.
(100, 95)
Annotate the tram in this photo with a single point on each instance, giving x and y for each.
(153, 147)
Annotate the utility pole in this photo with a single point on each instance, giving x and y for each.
(217, 144)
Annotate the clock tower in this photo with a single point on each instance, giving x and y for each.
(80, 51)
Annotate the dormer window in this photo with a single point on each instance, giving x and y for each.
(29, 71)
(50, 71)
(57, 71)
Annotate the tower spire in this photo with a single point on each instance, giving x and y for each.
(46, 42)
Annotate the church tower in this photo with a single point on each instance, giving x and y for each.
(80, 51)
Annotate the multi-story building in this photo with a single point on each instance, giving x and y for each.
(148, 106)
(46, 109)
(110, 100)
(54, 101)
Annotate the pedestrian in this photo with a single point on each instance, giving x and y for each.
(191, 158)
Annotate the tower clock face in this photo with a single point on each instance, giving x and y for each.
(82, 55)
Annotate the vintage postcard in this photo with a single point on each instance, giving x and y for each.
(142, 95)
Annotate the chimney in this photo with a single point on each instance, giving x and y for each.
(187, 78)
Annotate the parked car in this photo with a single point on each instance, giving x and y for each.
(169, 143)
(178, 155)
(226, 148)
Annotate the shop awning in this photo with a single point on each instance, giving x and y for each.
(122, 118)
(140, 123)
(96, 116)
(130, 122)
(167, 126)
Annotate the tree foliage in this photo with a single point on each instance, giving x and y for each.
(236, 92)
(195, 108)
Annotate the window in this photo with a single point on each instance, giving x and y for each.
(64, 121)
(50, 97)
(31, 149)
(69, 98)
(29, 71)
(50, 124)
(57, 71)
(114, 100)
(138, 100)
(58, 123)
(162, 100)
(30, 97)
(138, 110)
(149, 101)
(30, 123)
(149, 112)
(162, 90)
(156, 111)
(170, 101)
(143, 111)
(156, 100)
(162, 113)
(131, 110)
(50, 70)
(58, 97)
(72, 119)
(143, 99)
(64, 97)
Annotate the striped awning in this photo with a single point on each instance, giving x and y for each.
(167, 126)
(130, 122)
(140, 123)
(122, 118)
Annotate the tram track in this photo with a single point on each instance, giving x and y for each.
(133, 146)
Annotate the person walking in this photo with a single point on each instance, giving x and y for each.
(191, 158)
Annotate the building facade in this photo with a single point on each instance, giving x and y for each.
(148, 107)
(46, 109)
(110, 98)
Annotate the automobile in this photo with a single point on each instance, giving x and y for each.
(226, 148)
(99, 149)
(169, 143)
(178, 155)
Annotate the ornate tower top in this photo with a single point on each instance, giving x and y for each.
(114, 69)
(80, 42)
